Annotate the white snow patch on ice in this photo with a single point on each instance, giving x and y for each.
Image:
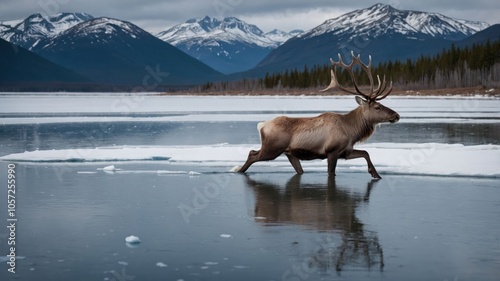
(105, 154)
(226, 236)
(389, 158)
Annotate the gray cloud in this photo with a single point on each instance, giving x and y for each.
(156, 15)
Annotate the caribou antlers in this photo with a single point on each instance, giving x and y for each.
(374, 94)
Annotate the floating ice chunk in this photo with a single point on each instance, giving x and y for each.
(123, 263)
(167, 172)
(211, 263)
(193, 173)
(235, 169)
(160, 264)
(241, 266)
(7, 258)
(226, 236)
(132, 239)
(110, 168)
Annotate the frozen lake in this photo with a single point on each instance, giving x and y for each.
(432, 216)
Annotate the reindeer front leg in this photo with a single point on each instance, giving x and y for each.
(295, 163)
(361, 153)
(332, 163)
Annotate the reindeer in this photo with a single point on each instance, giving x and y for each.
(330, 135)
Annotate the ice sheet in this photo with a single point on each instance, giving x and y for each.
(388, 158)
(26, 109)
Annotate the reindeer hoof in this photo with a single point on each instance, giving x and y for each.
(374, 174)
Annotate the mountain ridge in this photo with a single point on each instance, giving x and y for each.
(228, 45)
(380, 30)
(113, 51)
(36, 30)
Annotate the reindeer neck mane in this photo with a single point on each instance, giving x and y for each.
(357, 126)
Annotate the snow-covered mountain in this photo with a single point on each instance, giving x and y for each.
(380, 30)
(97, 31)
(281, 37)
(112, 51)
(37, 30)
(228, 45)
(381, 19)
(199, 31)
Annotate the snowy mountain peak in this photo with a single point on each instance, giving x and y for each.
(98, 30)
(207, 23)
(280, 36)
(51, 25)
(103, 25)
(228, 45)
(29, 32)
(210, 29)
(382, 19)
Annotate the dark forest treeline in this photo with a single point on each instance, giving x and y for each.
(478, 65)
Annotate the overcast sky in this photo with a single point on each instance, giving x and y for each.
(158, 15)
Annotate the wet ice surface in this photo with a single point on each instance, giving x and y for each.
(196, 221)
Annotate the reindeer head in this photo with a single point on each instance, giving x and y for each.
(373, 111)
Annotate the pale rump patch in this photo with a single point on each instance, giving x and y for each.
(259, 128)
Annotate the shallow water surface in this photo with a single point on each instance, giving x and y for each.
(196, 221)
(260, 226)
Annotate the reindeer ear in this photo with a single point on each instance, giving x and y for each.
(360, 100)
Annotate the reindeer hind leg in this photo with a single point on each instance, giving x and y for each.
(252, 158)
(269, 150)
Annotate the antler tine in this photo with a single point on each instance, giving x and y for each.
(380, 88)
(333, 79)
(386, 94)
(367, 69)
(354, 58)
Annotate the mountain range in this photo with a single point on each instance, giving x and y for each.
(382, 31)
(229, 45)
(116, 52)
(111, 51)
(37, 30)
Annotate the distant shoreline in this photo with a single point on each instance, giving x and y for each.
(479, 91)
(470, 91)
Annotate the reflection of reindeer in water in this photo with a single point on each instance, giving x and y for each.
(326, 209)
